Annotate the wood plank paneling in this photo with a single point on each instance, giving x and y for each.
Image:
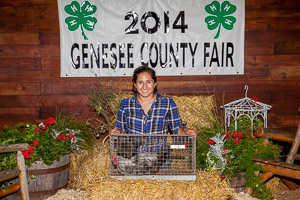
(287, 48)
(19, 88)
(277, 60)
(19, 114)
(259, 49)
(29, 50)
(49, 39)
(286, 36)
(48, 11)
(288, 23)
(273, 11)
(288, 120)
(286, 73)
(260, 24)
(77, 112)
(31, 87)
(64, 100)
(19, 38)
(8, 101)
(258, 36)
(24, 64)
(272, 2)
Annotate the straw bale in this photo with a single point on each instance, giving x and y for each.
(88, 166)
(276, 185)
(208, 186)
(194, 110)
(89, 171)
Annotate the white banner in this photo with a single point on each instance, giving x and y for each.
(174, 37)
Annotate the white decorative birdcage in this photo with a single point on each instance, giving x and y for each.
(251, 108)
(153, 157)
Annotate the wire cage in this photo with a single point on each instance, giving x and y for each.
(162, 157)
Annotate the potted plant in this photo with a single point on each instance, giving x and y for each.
(231, 153)
(50, 141)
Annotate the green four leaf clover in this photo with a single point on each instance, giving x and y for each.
(81, 16)
(219, 16)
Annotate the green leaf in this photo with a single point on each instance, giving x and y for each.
(89, 23)
(73, 8)
(88, 9)
(227, 8)
(213, 8)
(227, 22)
(72, 23)
(212, 22)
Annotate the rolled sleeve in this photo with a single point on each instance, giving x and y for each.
(121, 122)
(173, 118)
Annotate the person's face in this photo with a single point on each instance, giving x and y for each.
(144, 84)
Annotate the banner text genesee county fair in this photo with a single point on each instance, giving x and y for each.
(174, 37)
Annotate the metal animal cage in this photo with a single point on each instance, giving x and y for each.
(164, 157)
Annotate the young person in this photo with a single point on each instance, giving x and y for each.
(148, 112)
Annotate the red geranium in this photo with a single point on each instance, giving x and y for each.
(210, 142)
(26, 154)
(31, 149)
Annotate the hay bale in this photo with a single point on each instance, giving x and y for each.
(88, 167)
(208, 186)
(276, 186)
(89, 171)
(196, 111)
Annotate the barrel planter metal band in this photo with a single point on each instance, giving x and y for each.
(48, 171)
(48, 179)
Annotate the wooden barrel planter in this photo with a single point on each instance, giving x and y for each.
(238, 183)
(48, 179)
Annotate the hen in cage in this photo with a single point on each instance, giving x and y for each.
(168, 157)
(139, 156)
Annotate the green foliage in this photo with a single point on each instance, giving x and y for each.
(48, 141)
(243, 146)
(204, 134)
(104, 100)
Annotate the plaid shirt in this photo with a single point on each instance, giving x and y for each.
(162, 115)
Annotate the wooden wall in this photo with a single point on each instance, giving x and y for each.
(31, 87)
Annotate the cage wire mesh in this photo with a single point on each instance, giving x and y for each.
(162, 157)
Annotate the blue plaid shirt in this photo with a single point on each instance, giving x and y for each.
(162, 116)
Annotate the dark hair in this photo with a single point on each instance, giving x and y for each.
(142, 69)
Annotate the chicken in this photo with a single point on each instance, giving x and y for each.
(140, 155)
(142, 163)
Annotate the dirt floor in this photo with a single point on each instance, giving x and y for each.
(80, 195)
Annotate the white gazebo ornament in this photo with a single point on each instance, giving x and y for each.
(246, 107)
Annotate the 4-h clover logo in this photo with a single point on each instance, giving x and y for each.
(81, 16)
(220, 16)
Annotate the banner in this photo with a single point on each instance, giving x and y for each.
(175, 37)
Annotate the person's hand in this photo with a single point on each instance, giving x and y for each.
(114, 131)
(189, 131)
